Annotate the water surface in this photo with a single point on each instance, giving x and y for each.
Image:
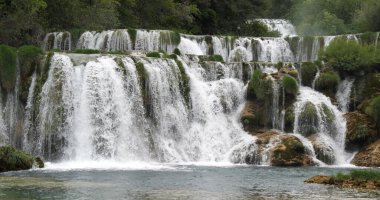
(173, 182)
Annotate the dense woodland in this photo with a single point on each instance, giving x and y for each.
(26, 21)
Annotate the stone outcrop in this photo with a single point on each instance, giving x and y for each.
(361, 131)
(369, 156)
(12, 159)
(290, 152)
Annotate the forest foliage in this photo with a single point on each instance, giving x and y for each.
(27, 21)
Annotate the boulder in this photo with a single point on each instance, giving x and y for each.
(321, 180)
(290, 152)
(12, 159)
(361, 130)
(369, 156)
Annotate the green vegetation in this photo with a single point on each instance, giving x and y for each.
(259, 86)
(177, 52)
(373, 110)
(184, 83)
(308, 72)
(154, 55)
(29, 57)
(7, 67)
(325, 17)
(216, 58)
(347, 56)
(327, 81)
(87, 51)
(290, 85)
(12, 159)
(358, 175)
(308, 120)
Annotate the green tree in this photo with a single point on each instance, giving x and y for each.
(20, 21)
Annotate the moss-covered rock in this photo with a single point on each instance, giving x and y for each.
(177, 52)
(184, 83)
(259, 87)
(373, 110)
(364, 89)
(12, 159)
(323, 151)
(361, 130)
(308, 72)
(289, 71)
(153, 55)
(290, 86)
(327, 83)
(255, 116)
(289, 119)
(290, 152)
(369, 156)
(216, 58)
(308, 120)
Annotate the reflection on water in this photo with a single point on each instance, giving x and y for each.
(175, 182)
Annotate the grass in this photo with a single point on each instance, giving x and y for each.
(358, 175)
(153, 55)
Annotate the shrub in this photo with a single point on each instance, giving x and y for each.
(87, 51)
(359, 175)
(328, 81)
(7, 67)
(347, 56)
(153, 55)
(308, 72)
(29, 56)
(216, 58)
(290, 85)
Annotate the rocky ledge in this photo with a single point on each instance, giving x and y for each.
(356, 179)
(12, 159)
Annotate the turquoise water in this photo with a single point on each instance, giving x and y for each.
(173, 182)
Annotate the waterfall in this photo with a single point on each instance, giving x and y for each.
(4, 139)
(276, 113)
(323, 119)
(28, 139)
(13, 111)
(96, 108)
(284, 27)
(57, 40)
(343, 94)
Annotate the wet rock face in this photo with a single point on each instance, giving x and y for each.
(369, 156)
(12, 159)
(361, 131)
(254, 117)
(323, 151)
(290, 152)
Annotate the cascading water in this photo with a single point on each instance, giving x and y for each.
(102, 110)
(281, 25)
(343, 94)
(315, 114)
